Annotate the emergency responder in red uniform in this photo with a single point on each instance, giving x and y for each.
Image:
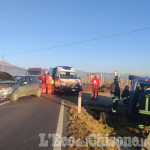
(143, 105)
(52, 86)
(48, 84)
(44, 84)
(115, 93)
(95, 83)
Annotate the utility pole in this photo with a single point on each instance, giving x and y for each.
(2, 62)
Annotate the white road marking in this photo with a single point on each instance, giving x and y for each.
(60, 124)
(4, 103)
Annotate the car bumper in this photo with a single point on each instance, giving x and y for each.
(4, 96)
(71, 89)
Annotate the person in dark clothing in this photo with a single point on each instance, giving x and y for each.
(143, 105)
(126, 95)
(115, 93)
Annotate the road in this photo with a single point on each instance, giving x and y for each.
(22, 122)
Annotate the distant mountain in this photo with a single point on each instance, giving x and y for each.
(13, 70)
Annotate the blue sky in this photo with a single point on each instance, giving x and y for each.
(36, 24)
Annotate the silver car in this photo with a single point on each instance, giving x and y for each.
(18, 86)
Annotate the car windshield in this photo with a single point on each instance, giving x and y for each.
(34, 72)
(17, 78)
(68, 75)
(7, 82)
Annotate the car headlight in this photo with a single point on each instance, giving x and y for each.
(80, 83)
(8, 90)
(64, 84)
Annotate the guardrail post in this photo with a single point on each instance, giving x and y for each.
(79, 102)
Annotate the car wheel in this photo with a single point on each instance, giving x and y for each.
(14, 96)
(38, 93)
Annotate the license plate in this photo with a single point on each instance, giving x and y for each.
(73, 90)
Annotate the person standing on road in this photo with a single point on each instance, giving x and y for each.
(115, 93)
(52, 86)
(44, 84)
(95, 83)
(143, 105)
(48, 83)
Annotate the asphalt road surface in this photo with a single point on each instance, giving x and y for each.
(22, 122)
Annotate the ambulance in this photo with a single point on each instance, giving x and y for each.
(65, 80)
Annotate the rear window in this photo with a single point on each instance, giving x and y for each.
(33, 79)
(34, 72)
(17, 78)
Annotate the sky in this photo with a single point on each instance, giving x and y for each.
(27, 25)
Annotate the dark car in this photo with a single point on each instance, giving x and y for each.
(18, 86)
(137, 87)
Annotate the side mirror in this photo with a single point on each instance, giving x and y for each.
(24, 83)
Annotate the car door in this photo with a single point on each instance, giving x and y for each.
(33, 84)
(25, 87)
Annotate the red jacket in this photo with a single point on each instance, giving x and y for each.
(48, 79)
(95, 82)
(43, 79)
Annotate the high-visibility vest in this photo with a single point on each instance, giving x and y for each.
(144, 103)
(52, 81)
(43, 79)
(95, 82)
(48, 79)
(43, 88)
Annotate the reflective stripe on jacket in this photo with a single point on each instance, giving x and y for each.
(143, 103)
(124, 98)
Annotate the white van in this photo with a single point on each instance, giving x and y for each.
(65, 79)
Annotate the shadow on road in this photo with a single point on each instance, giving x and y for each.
(86, 99)
(52, 99)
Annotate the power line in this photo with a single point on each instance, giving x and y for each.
(80, 42)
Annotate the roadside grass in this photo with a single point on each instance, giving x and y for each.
(83, 124)
(87, 122)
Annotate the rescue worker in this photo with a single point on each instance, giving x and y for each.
(48, 83)
(52, 86)
(143, 105)
(115, 93)
(95, 83)
(125, 95)
(44, 84)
